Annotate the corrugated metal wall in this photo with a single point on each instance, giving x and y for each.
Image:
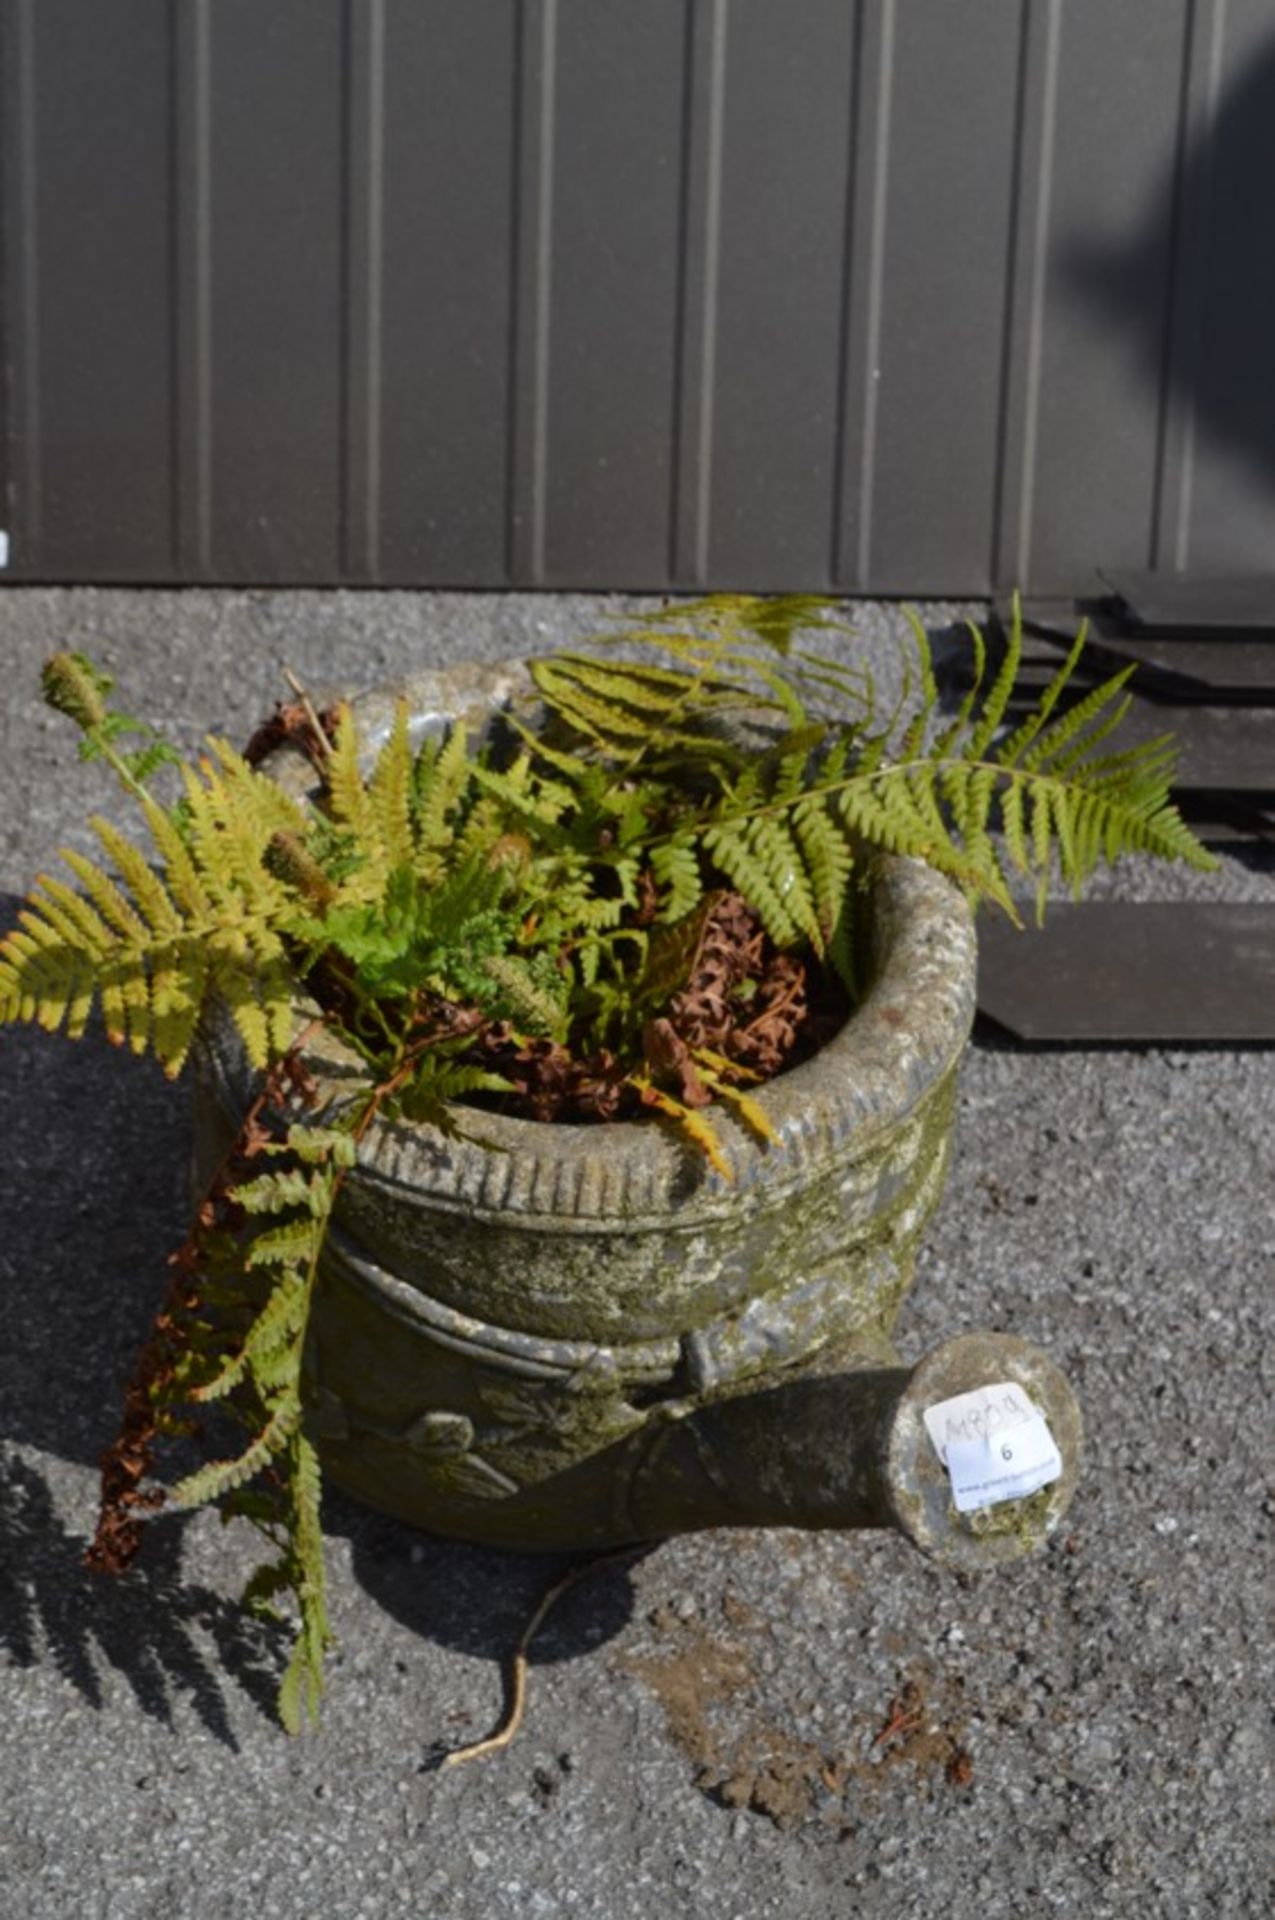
(902, 295)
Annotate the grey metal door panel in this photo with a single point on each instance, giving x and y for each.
(86, 254)
(607, 275)
(1227, 390)
(1110, 99)
(932, 237)
(774, 370)
(275, 285)
(877, 294)
(438, 129)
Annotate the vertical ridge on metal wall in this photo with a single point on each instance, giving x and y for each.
(363, 266)
(694, 384)
(191, 293)
(872, 87)
(1025, 303)
(24, 502)
(1202, 59)
(533, 290)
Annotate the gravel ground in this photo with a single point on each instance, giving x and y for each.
(1088, 1733)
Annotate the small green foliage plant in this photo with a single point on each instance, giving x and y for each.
(640, 892)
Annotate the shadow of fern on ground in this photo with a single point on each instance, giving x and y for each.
(92, 1198)
(477, 1600)
(146, 1626)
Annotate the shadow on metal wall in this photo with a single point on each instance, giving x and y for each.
(1215, 201)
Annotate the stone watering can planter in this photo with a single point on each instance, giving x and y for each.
(559, 1336)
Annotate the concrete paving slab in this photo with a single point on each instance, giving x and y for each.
(1085, 1734)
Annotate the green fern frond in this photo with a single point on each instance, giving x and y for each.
(43, 980)
(777, 619)
(541, 802)
(1013, 816)
(208, 1483)
(180, 871)
(321, 1146)
(996, 701)
(260, 1375)
(829, 864)
(659, 692)
(771, 839)
(284, 1246)
(289, 1186)
(732, 848)
(958, 728)
(675, 864)
(441, 777)
(291, 861)
(1070, 740)
(61, 959)
(1011, 751)
(576, 896)
(437, 1083)
(253, 806)
(576, 769)
(897, 809)
(789, 768)
(277, 1326)
(618, 730)
(529, 993)
(259, 999)
(594, 718)
(457, 1081)
(302, 1688)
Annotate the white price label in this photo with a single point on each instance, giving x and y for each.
(995, 1443)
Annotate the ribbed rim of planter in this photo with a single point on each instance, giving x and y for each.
(905, 1035)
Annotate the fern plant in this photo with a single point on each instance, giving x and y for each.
(717, 786)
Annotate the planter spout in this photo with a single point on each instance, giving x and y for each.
(851, 1449)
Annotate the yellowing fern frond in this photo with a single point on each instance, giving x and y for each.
(347, 797)
(148, 944)
(713, 1068)
(699, 1130)
(390, 794)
